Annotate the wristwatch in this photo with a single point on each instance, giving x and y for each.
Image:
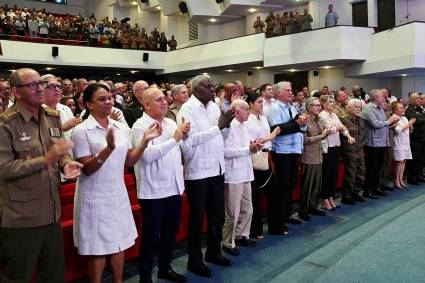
(98, 159)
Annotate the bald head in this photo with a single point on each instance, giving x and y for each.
(241, 109)
(230, 90)
(155, 103)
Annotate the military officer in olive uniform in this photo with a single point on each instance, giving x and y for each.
(32, 150)
(352, 154)
(135, 109)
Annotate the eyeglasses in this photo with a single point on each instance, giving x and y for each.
(315, 105)
(34, 85)
(53, 86)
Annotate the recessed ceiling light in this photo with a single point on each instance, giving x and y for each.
(229, 71)
(258, 67)
(205, 74)
(118, 74)
(292, 70)
(134, 3)
(49, 68)
(326, 67)
(158, 7)
(404, 75)
(252, 10)
(213, 20)
(133, 72)
(12, 70)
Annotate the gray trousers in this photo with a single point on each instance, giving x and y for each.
(310, 187)
(238, 211)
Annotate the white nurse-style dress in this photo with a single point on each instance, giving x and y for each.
(103, 221)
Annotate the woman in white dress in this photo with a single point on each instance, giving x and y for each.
(103, 220)
(401, 143)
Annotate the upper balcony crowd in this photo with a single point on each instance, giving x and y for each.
(291, 22)
(42, 26)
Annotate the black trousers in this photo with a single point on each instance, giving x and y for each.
(330, 172)
(415, 165)
(160, 221)
(265, 182)
(23, 250)
(374, 163)
(205, 195)
(286, 173)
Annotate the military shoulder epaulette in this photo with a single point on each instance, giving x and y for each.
(9, 114)
(343, 115)
(52, 112)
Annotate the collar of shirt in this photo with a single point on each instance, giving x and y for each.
(197, 102)
(236, 123)
(92, 123)
(26, 114)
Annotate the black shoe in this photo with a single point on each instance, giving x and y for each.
(145, 279)
(171, 275)
(391, 189)
(381, 193)
(245, 242)
(317, 212)
(304, 217)
(231, 251)
(293, 221)
(200, 270)
(347, 200)
(357, 197)
(219, 260)
(370, 196)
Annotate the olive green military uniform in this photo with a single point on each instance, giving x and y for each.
(172, 111)
(353, 156)
(133, 112)
(30, 231)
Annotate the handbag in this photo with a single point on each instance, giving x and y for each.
(260, 160)
(325, 146)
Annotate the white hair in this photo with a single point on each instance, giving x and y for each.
(196, 81)
(354, 102)
(281, 85)
(176, 89)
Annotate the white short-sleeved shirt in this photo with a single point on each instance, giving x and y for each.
(159, 172)
(66, 115)
(122, 119)
(203, 149)
(258, 128)
(103, 220)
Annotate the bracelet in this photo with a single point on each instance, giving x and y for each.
(98, 159)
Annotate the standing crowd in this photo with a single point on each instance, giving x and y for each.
(214, 143)
(104, 32)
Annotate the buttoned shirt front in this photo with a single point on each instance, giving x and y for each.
(159, 172)
(28, 187)
(331, 121)
(237, 156)
(286, 144)
(203, 149)
(377, 126)
(267, 104)
(258, 127)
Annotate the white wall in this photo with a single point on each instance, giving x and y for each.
(415, 9)
(74, 7)
(100, 9)
(176, 25)
(335, 78)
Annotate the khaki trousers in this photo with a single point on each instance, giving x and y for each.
(238, 212)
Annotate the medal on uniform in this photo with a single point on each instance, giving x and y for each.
(25, 137)
(54, 132)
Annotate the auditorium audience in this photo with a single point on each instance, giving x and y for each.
(69, 101)
(134, 110)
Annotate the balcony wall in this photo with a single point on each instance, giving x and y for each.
(334, 45)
